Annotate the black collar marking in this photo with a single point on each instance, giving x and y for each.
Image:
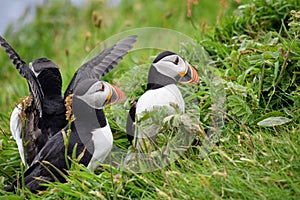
(157, 80)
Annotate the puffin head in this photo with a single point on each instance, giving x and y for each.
(168, 68)
(97, 93)
(48, 75)
(41, 64)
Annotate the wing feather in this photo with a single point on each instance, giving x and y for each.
(101, 64)
(27, 73)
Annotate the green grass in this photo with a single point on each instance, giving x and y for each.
(254, 47)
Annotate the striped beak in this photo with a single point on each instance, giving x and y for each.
(189, 76)
(116, 95)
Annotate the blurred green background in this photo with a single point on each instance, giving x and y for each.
(254, 46)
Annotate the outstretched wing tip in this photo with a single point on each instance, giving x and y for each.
(130, 40)
(103, 63)
(34, 85)
(133, 36)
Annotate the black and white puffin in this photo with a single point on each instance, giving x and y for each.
(90, 135)
(45, 110)
(45, 114)
(165, 72)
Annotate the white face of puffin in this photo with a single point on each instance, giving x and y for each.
(102, 93)
(171, 65)
(174, 66)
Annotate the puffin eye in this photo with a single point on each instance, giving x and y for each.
(176, 61)
(102, 87)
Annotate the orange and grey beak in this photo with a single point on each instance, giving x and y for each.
(189, 76)
(116, 95)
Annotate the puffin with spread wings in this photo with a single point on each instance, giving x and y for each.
(90, 132)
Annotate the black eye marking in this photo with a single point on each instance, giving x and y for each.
(176, 60)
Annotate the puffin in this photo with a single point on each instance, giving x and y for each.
(90, 137)
(44, 109)
(166, 71)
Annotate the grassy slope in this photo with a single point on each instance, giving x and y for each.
(249, 48)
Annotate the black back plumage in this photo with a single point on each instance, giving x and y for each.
(53, 109)
(50, 81)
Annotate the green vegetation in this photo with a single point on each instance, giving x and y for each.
(255, 47)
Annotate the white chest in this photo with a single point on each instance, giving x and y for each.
(103, 143)
(160, 97)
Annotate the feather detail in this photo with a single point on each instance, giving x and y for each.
(27, 73)
(101, 64)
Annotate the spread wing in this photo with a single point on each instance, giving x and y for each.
(34, 85)
(101, 64)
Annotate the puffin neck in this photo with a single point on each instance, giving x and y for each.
(87, 114)
(157, 80)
